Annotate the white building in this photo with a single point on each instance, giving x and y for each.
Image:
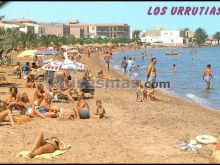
(27, 29)
(171, 37)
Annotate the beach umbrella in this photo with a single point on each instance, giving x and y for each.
(66, 65)
(47, 52)
(27, 53)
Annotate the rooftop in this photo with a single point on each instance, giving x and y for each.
(101, 24)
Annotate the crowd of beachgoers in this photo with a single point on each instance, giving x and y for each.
(58, 86)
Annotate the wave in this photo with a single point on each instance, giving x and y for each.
(195, 98)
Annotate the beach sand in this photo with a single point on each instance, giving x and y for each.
(147, 132)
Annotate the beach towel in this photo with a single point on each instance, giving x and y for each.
(44, 156)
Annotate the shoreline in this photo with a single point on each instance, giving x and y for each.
(169, 94)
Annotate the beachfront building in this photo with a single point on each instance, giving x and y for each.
(78, 30)
(154, 33)
(151, 36)
(171, 37)
(24, 25)
(99, 30)
(27, 29)
(57, 29)
(163, 37)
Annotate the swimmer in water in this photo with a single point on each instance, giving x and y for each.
(174, 68)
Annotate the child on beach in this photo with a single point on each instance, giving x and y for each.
(139, 92)
(100, 109)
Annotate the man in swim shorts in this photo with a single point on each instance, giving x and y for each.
(151, 72)
(107, 58)
(207, 76)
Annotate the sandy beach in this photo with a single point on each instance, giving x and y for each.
(147, 132)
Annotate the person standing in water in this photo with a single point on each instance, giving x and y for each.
(151, 72)
(130, 63)
(207, 76)
(124, 65)
(174, 68)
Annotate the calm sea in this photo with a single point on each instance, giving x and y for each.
(187, 82)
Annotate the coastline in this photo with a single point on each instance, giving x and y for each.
(163, 92)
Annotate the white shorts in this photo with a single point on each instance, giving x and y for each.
(207, 78)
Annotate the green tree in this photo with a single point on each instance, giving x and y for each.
(200, 36)
(217, 36)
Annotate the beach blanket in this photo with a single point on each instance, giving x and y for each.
(44, 156)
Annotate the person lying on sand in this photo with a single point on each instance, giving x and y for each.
(46, 109)
(100, 110)
(30, 83)
(81, 110)
(29, 107)
(4, 112)
(39, 94)
(48, 145)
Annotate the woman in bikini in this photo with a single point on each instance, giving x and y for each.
(46, 109)
(29, 107)
(48, 145)
(81, 111)
(39, 94)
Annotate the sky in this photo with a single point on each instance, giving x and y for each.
(132, 13)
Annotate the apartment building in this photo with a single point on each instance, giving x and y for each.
(57, 29)
(24, 25)
(100, 30)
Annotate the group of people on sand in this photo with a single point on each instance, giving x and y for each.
(41, 103)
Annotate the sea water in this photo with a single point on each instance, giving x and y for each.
(187, 82)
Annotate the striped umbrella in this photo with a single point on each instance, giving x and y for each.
(66, 65)
(47, 52)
